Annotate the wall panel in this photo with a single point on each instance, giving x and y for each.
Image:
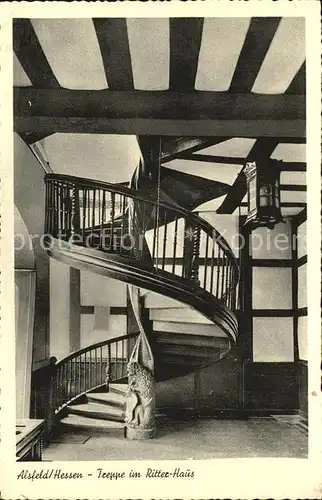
(273, 339)
(272, 288)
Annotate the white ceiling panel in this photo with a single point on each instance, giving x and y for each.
(238, 146)
(150, 55)
(211, 205)
(290, 152)
(293, 196)
(222, 40)
(211, 171)
(110, 158)
(289, 211)
(284, 57)
(20, 77)
(73, 52)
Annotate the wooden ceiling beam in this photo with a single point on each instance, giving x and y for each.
(257, 42)
(31, 56)
(173, 148)
(158, 113)
(185, 41)
(237, 160)
(114, 45)
(262, 149)
(298, 84)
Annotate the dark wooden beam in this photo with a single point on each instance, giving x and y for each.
(31, 56)
(237, 160)
(185, 40)
(285, 204)
(262, 149)
(293, 187)
(257, 42)
(272, 262)
(114, 44)
(32, 137)
(174, 147)
(273, 313)
(298, 84)
(158, 113)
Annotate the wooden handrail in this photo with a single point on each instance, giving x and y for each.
(81, 182)
(103, 343)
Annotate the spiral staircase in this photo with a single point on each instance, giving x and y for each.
(183, 270)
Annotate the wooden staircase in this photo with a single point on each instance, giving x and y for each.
(185, 270)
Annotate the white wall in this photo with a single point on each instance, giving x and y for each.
(99, 290)
(29, 198)
(102, 293)
(273, 339)
(272, 290)
(59, 308)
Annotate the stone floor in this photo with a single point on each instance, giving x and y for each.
(195, 439)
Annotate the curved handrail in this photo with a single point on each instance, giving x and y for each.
(96, 212)
(98, 345)
(89, 368)
(126, 191)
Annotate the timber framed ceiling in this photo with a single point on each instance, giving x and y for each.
(219, 91)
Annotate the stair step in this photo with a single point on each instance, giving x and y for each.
(185, 339)
(155, 300)
(191, 328)
(178, 315)
(79, 422)
(107, 398)
(118, 389)
(99, 411)
(192, 351)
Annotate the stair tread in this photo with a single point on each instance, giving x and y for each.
(79, 421)
(118, 388)
(106, 397)
(173, 315)
(189, 328)
(95, 408)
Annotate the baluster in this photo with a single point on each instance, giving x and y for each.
(85, 373)
(206, 263)
(227, 282)
(84, 214)
(102, 240)
(116, 358)
(112, 216)
(122, 354)
(175, 239)
(154, 237)
(79, 374)
(125, 220)
(165, 226)
(101, 366)
(212, 267)
(46, 206)
(95, 367)
(75, 222)
(195, 255)
(222, 276)
(90, 370)
(93, 211)
(109, 363)
(218, 271)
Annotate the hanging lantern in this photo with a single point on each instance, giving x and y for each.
(263, 194)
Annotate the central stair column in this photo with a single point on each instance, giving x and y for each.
(140, 398)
